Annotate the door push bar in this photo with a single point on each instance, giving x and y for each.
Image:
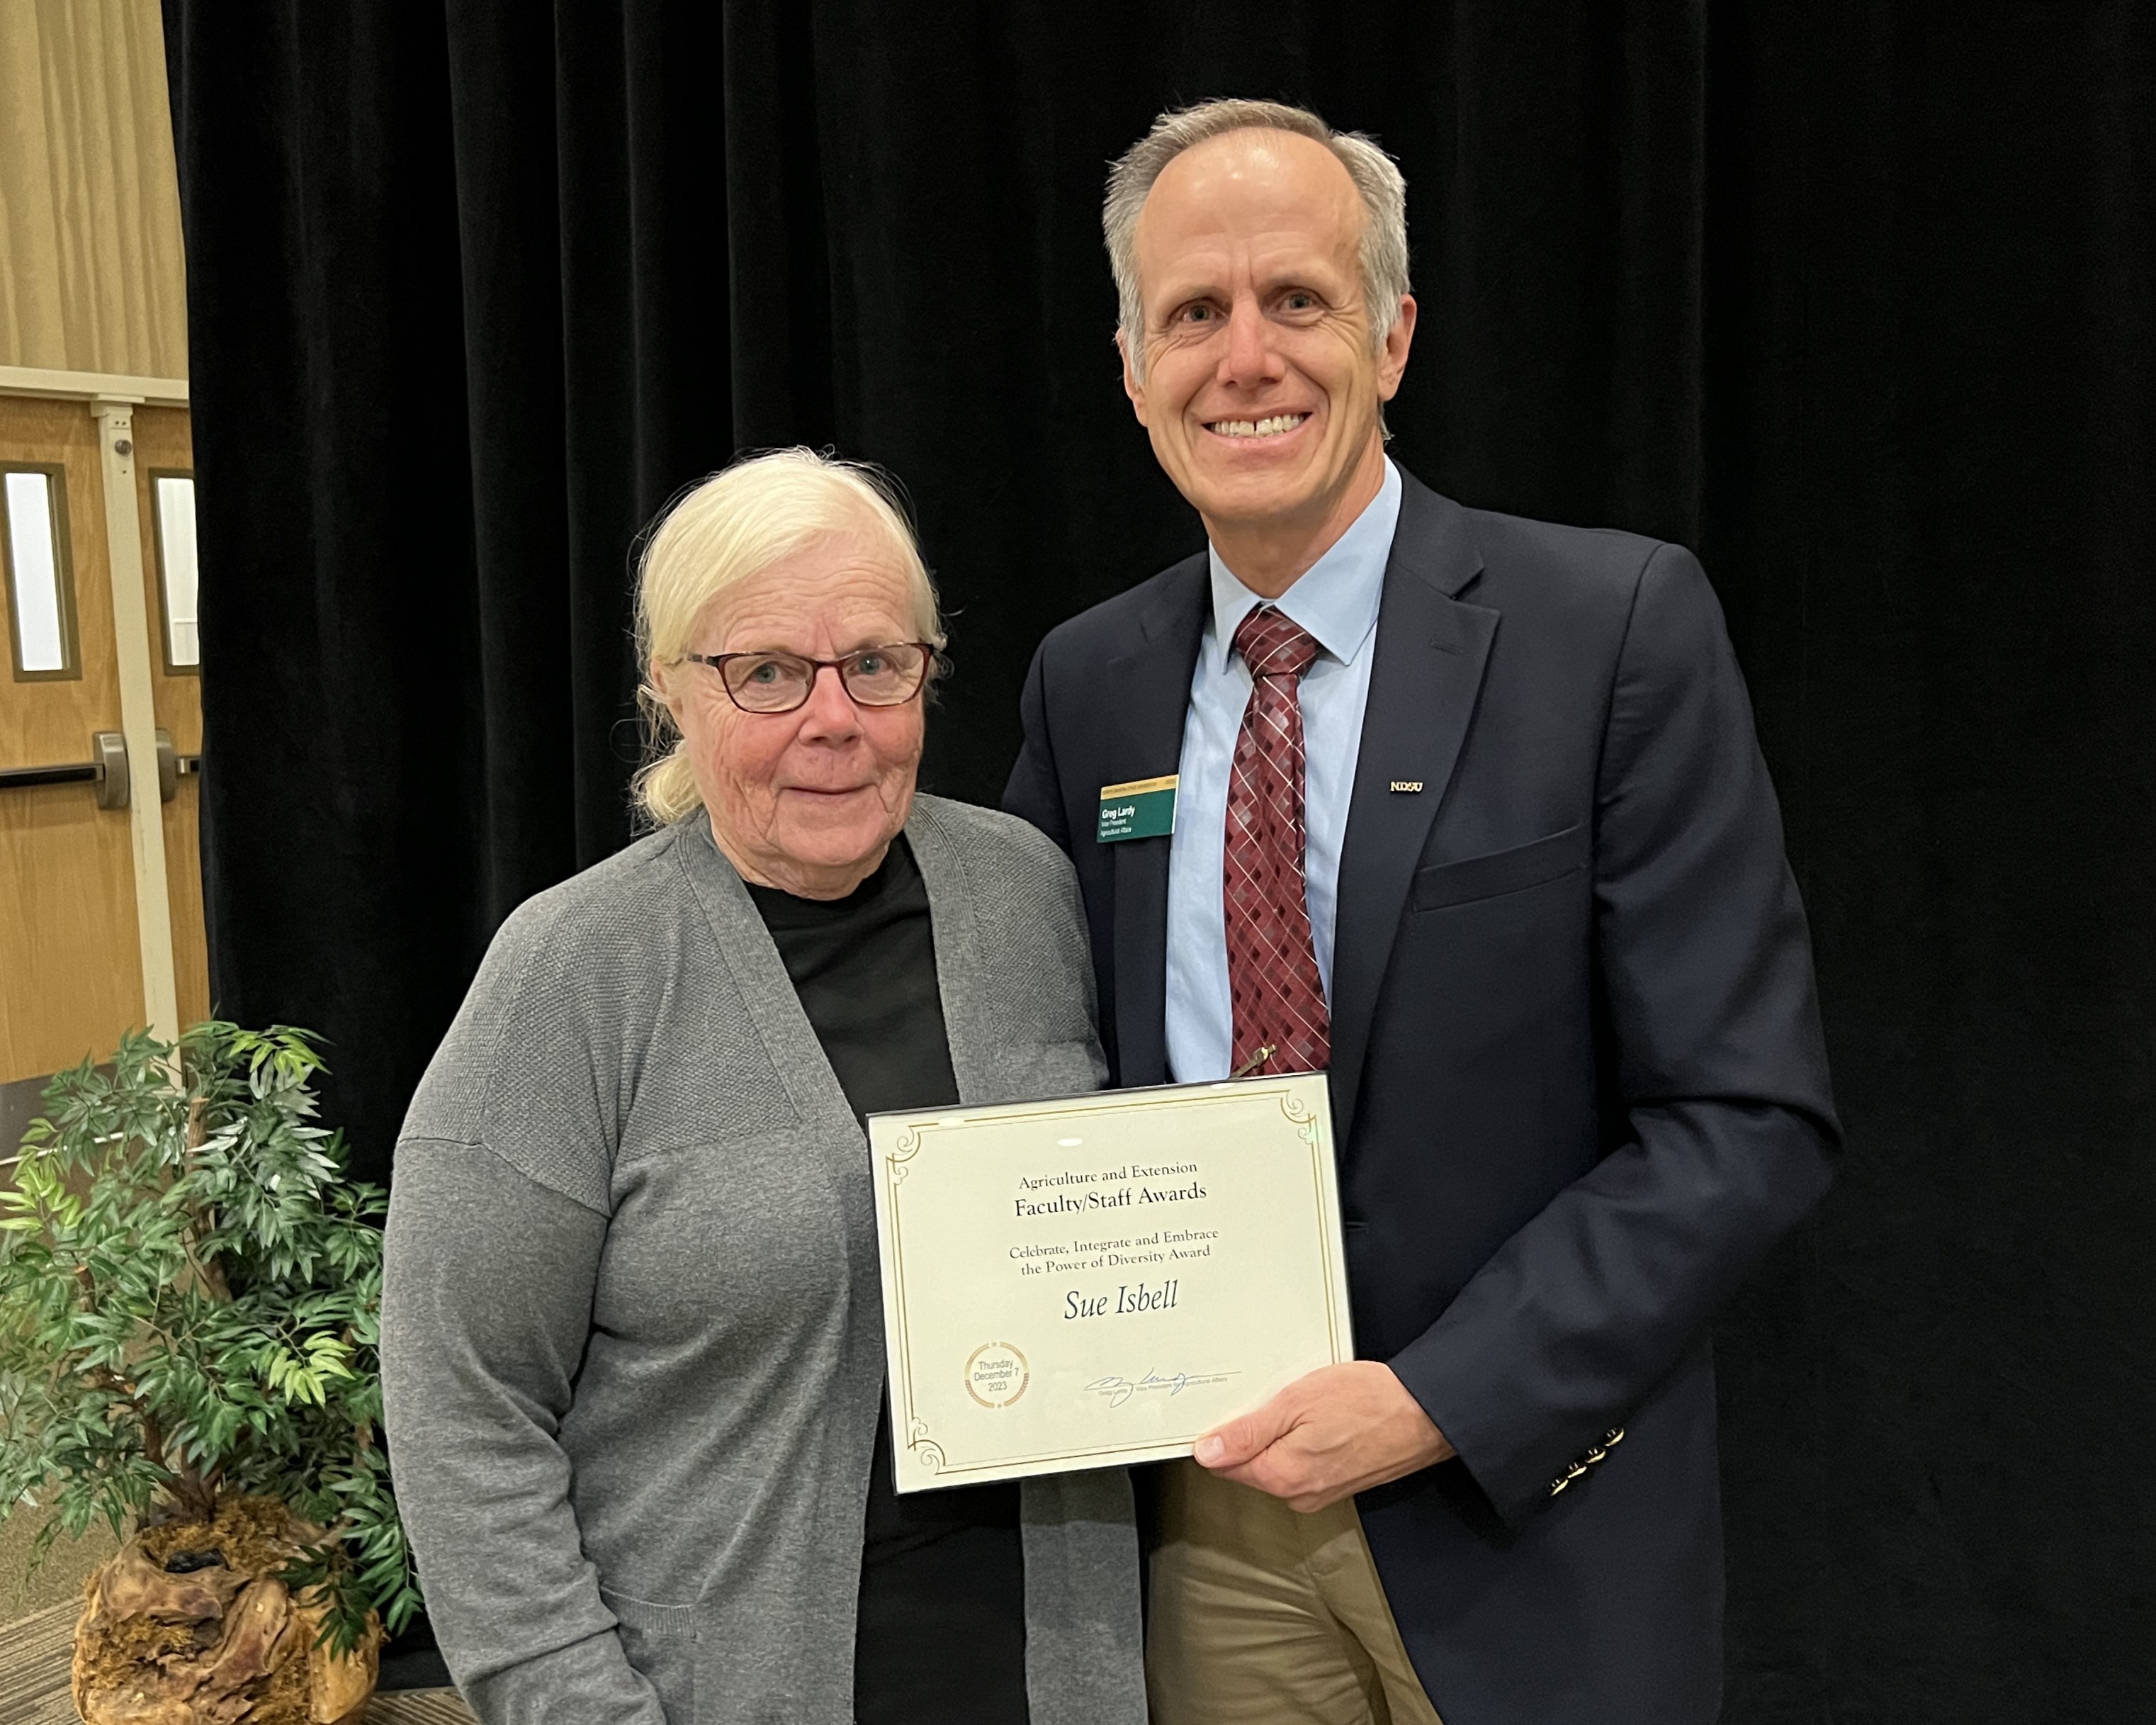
(107, 770)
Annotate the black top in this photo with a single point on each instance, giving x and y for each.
(942, 1605)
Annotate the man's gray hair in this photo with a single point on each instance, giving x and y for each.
(1377, 178)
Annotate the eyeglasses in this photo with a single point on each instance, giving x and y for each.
(886, 676)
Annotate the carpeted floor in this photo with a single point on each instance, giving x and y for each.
(33, 1681)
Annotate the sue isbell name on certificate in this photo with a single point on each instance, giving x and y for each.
(1100, 1279)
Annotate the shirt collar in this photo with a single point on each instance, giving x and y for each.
(1336, 599)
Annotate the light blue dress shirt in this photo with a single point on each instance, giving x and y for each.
(1337, 601)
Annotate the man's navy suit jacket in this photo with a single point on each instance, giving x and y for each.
(1577, 1078)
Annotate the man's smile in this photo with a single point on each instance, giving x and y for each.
(1273, 426)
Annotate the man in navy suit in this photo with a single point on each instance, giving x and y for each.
(1470, 814)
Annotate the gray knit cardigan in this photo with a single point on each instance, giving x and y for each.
(631, 1337)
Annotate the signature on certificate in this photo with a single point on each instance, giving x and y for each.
(1119, 1390)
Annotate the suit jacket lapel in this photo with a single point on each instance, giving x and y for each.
(1431, 651)
(1149, 689)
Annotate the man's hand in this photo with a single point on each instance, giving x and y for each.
(1340, 1431)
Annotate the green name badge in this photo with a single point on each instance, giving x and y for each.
(1144, 808)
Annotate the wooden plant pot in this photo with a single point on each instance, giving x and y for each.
(189, 1625)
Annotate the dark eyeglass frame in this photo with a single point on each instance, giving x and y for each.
(719, 662)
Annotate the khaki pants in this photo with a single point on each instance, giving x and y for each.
(1260, 1615)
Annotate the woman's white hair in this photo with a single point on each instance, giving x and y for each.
(763, 508)
(1377, 178)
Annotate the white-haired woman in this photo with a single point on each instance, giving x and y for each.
(633, 1353)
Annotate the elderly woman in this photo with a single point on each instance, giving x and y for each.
(632, 1340)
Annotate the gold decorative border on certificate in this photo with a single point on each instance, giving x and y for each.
(1311, 1130)
(912, 1139)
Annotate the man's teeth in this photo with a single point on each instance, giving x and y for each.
(1259, 428)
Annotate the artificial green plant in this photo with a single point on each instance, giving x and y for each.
(190, 1291)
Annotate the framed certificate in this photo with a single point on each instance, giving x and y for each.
(1102, 1278)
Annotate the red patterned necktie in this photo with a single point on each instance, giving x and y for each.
(1272, 966)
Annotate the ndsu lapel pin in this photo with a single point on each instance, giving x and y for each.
(1144, 808)
(1407, 784)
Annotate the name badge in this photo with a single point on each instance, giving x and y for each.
(1144, 808)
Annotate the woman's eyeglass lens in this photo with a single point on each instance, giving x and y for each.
(888, 676)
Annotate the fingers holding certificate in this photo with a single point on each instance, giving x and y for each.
(1099, 1280)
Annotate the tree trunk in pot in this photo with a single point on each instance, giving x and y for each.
(189, 1625)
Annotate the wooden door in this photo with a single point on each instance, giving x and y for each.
(73, 943)
(164, 483)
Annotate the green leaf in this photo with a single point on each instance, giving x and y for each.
(180, 1243)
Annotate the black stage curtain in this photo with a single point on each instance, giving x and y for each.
(1858, 299)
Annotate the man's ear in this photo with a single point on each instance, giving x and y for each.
(1393, 362)
(1132, 387)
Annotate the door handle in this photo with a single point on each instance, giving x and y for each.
(107, 770)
